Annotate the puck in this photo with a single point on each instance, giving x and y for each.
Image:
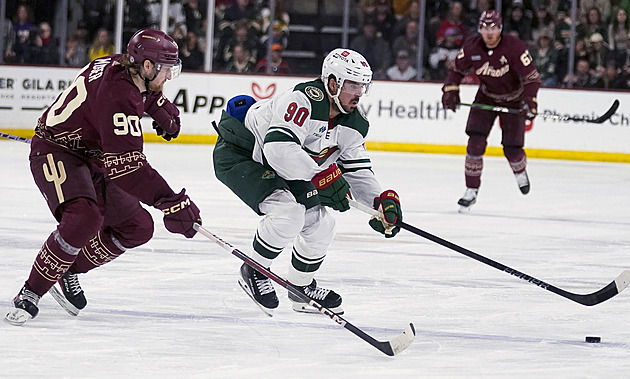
(591, 339)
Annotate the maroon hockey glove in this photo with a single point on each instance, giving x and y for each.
(179, 214)
(388, 206)
(530, 107)
(450, 96)
(332, 188)
(165, 115)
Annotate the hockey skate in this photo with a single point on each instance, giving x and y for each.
(523, 182)
(24, 307)
(70, 295)
(469, 198)
(324, 297)
(259, 288)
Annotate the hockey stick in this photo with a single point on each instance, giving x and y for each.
(548, 115)
(391, 347)
(15, 138)
(612, 289)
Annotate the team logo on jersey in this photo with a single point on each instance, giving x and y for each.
(314, 93)
(322, 129)
(268, 175)
(487, 70)
(503, 59)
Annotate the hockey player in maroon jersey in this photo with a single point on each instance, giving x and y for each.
(86, 158)
(508, 78)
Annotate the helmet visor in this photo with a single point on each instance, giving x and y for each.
(356, 88)
(175, 69)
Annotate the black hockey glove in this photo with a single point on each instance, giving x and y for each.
(389, 213)
(450, 97)
(332, 188)
(529, 107)
(162, 133)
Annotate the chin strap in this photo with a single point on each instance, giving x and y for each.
(335, 98)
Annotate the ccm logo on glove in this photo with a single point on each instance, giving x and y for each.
(177, 207)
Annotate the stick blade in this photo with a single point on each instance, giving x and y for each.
(399, 343)
(622, 281)
(603, 118)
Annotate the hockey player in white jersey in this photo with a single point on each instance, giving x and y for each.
(291, 157)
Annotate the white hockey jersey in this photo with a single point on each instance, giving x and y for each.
(296, 138)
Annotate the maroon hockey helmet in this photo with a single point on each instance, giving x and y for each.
(489, 18)
(154, 45)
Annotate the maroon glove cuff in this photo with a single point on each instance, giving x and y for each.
(327, 177)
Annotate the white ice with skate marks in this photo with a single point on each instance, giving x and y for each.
(173, 307)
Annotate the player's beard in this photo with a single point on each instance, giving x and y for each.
(153, 86)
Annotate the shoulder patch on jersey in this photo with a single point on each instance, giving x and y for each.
(314, 93)
(355, 120)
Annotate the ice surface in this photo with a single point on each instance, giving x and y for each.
(172, 308)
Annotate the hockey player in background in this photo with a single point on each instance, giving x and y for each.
(86, 158)
(508, 78)
(292, 158)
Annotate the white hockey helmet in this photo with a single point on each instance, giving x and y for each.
(346, 64)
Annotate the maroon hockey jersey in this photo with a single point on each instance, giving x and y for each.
(98, 117)
(506, 72)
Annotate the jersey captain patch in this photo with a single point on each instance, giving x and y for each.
(314, 93)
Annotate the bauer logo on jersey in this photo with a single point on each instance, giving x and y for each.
(268, 175)
(314, 93)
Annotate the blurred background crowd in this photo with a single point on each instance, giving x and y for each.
(302, 32)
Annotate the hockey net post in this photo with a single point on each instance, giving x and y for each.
(548, 115)
(391, 347)
(607, 292)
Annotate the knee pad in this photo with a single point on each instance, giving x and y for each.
(81, 219)
(135, 231)
(476, 145)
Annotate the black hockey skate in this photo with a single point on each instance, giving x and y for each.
(24, 307)
(259, 288)
(324, 297)
(70, 295)
(523, 182)
(469, 198)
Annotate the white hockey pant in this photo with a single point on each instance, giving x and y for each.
(286, 221)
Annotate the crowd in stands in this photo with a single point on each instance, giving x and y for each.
(387, 35)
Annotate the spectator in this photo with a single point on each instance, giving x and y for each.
(195, 16)
(520, 21)
(243, 34)
(190, 54)
(409, 42)
(76, 51)
(8, 35)
(562, 34)
(545, 58)
(613, 78)
(603, 8)
(373, 47)
(562, 69)
(402, 70)
(582, 77)
(102, 45)
(471, 18)
(453, 20)
(598, 54)
(44, 49)
(385, 19)
(622, 57)
(279, 34)
(443, 54)
(594, 23)
(23, 33)
(542, 25)
(278, 65)
(176, 17)
(240, 62)
(618, 30)
(412, 14)
(242, 9)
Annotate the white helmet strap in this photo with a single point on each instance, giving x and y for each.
(335, 97)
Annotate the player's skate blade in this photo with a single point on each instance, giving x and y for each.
(469, 198)
(17, 317)
(325, 297)
(268, 312)
(61, 299)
